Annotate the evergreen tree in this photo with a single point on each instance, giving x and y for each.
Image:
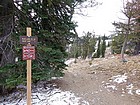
(88, 45)
(103, 47)
(129, 26)
(51, 21)
(83, 46)
(98, 48)
(117, 44)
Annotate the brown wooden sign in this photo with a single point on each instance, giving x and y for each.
(28, 53)
(28, 40)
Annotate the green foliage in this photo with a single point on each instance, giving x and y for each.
(51, 21)
(50, 63)
(74, 48)
(83, 46)
(117, 44)
(98, 53)
(53, 27)
(103, 46)
(130, 28)
(13, 75)
(88, 46)
(133, 41)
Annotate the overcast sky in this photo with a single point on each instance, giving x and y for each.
(100, 18)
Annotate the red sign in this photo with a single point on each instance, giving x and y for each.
(28, 53)
(28, 40)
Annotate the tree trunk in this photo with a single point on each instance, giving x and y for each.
(125, 40)
(123, 48)
(6, 29)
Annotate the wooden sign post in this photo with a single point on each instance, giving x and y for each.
(29, 55)
(29, 74)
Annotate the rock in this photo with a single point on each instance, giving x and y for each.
(21, 87)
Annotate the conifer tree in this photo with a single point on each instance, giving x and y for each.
(99, 48)
(103, 47)
(51, 21)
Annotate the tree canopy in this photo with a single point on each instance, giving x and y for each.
(130, 27)
(51, 21)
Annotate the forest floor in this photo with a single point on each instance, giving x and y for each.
(105, 81)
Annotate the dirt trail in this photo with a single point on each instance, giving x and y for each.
(88, 81)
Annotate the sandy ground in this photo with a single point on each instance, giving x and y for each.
(95, 84)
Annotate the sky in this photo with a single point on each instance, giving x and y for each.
(100, 18)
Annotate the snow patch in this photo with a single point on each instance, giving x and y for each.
(119, 78)
(130, 89)
(44, 97)
(138, 91)
(70, 61)
(111, 86)
(94, 65)
(122, 81)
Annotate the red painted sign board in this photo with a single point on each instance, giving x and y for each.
(28, 52)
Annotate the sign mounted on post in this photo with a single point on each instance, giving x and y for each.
(28, 40)
(28, 53)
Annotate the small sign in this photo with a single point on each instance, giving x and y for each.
(28, 40)
(28, 53)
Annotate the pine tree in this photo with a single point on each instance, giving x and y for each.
(103, 47)
(51, 22)
(99, 48)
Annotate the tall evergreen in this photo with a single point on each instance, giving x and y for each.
(88, 45)
(103, 46)
(98, 48)
(129, 27)
(51, 21)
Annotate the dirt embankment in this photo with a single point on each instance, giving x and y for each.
(107, 81)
